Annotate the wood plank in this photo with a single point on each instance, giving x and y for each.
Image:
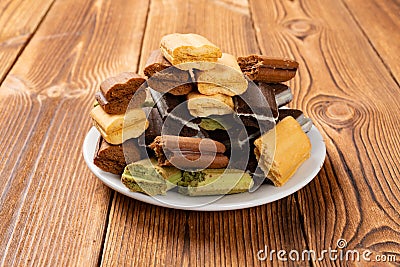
(202, 18)
(140, 234)
(19, 20)
(144, 235)
(379, 21)
(53, 211)
(356, 195)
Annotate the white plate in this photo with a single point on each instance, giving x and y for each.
(265, 194)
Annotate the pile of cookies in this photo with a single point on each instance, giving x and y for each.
(201, 120)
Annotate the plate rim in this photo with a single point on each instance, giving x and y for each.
(213, 206)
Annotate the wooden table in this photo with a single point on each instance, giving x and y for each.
(55, 53)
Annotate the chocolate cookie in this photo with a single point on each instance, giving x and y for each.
(266, 69)
(116, 93)
(111, 158)
(163, 77)
(189, 152)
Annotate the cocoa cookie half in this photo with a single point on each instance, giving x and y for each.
(163, 77)
(267, 69)
(116, 92)
(189, 152)
(111, 158)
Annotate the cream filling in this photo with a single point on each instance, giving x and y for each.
(283, 98)
(119, 136)
(221, 181)
(204, 111)
(184, 122)
(257, 116)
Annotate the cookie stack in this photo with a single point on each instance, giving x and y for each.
(108, 117)
(212, 128)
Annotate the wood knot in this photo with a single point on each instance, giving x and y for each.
(301, 28)
(337, 112)
(14, 84)
(55, 91)
(63, 91)
(340, 111)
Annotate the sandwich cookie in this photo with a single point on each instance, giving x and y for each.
(226, 78)
(116, 129)
(114, 158)
(163, 77)
(189, 152)
(116, 93)
(266, 69)
(281, 152)
(175, 115)
(256, 108)
(214, 182)
(189, 48)
(200, 105)
(275, 95)
(145, 176)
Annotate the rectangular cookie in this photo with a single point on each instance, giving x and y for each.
(145, 176)
(111, 158)
(266, 69)
(163, 77)
(226, 78)
(175, 115)
(200, 105)
(190, 48)
(280, 152)
(115, 129)
(214, 182)
(251, 107)
(117, 92)
(189, 152)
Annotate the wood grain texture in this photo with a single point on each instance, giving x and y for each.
(379, 21)
(140, 234)
(19, 20)
(143, 235)
(345, 88)
(216, 21)
(53, 56)
(53, 211)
